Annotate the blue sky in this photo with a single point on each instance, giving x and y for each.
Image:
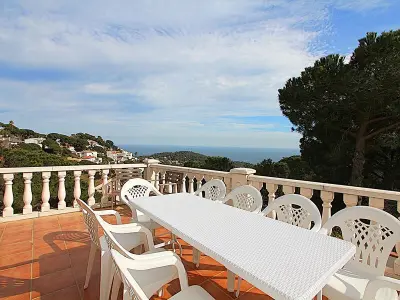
(177, 72)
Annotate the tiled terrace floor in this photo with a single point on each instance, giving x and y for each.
(45, 258)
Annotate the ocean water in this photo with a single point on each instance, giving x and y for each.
(251, 155)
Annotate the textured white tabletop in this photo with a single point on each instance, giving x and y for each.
(284, 261)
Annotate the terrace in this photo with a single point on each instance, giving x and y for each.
(43, 254)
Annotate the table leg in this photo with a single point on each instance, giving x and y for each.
(231, 282)
(319, 295)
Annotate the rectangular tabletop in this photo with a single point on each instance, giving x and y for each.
(284, 261)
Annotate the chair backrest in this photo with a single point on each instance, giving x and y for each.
(137, 187)
(295, 210)
(214, 189)
(91, 222)
(245, 197)
(121, 264)
(374, 233)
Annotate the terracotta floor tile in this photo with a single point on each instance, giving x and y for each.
(77, 236)
(48, 249)
(15, 237)
(25, 223)
(209, 267)
(52, 282)
(16, 282)
(17, 230)
(47, 265)
(46, 225)
(215, 291)
(48, 234)
(15, 248)
(254, 293)
(168, 292)
(23, 296)
(221, 281)
(12, 261)
(78, 226)
(70, 293)
(93, 290)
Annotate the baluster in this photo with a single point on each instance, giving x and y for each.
(287, 189)
(191, 184)
(163, 182)
(27, 193)
(199, 182)
(306, 192)
(61, 190)
(77, 187)
(327, 198)
(183, 187)
(45, 192)
(377, 202)
(397, 261)
(271, 188)
(350, 200)
(91, 188)
(8, 199)
(104, 196)
(157, 180)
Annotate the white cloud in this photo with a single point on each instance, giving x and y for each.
(159, 72)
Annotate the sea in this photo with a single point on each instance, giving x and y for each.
(251, 155)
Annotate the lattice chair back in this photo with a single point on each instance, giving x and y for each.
(137, 187)
(214, 189)
(91, 222)
(296, 210)
(245, 197)
(130, 284)
(374, 233)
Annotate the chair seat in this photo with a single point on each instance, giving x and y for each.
(193, 292)
(349, 285)
(151, 280)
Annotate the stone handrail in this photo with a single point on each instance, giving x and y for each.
(27, 174)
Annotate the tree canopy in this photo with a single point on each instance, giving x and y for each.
(340, 108)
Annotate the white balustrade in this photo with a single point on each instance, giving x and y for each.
(61, 190)
(45, 191)
(27, 193)
(91, 188)
(271, 188)
(308, 193)
(288, 189)
(327, 198)
(8, 198)
(77, 187)
(350, 200)
(183, 186)
(191, 184)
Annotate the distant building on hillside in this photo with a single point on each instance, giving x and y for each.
(120, 156)
(86, 153)
(97, 160)
(36, 141)
(94, 144)
(9, 141)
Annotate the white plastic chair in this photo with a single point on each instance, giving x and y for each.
(245, 197)
(159, 273)
(374, 233)
(131, 272)
(214, 189)
(98, 243)
(296, 210)
(138, 187)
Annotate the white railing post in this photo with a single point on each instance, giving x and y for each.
(306, 192)
(77, 187)
(183, 187)
(327, 198)
(240, 176)
(271, 188)
(61, 190)
(27, 194)
(191, 184)
(149, 173)
(8, 199)
(45, 192)
(91, 188)
(377, 203)
(288, 189)
(104, 197)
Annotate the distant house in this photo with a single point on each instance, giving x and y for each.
(36, 141)
(120, 156)
(97, 160)
(94, 144)
(9, 141)
(86, 153)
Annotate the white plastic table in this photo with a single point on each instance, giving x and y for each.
(284, 261)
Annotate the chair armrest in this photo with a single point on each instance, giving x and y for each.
(380, 282)
(134, 228)
(162, 261)
(109, 212)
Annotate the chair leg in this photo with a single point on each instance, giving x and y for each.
(231, 282)
(106, 275)
(115, 287)
(92, 255)
(127, 295)
(238, 286)
(175, 241)
(319, 295)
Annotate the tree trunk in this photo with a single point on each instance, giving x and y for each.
(359, 158)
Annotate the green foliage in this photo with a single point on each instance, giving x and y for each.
(340, 108)
(51, 146)
(218, 163)
(30, 147)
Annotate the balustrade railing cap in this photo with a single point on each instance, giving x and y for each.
(246, 171)
(151, 161)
